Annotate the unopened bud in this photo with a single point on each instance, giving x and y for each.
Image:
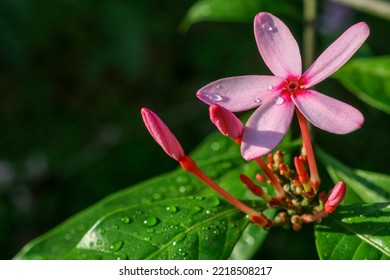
(161, 133)
(226, 122)
(336, 196)
(301, 170)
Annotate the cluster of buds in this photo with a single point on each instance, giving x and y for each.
(297, 194)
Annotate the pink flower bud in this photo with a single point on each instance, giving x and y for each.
(226, 121)
(161, 133)
(336, 196)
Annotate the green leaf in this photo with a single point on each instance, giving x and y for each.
(355, 232)
(233, 10)
(369, 79)
(362, 186)
(380, 8)
(173, 216)
(250, 241)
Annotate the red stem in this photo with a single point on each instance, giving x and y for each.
(189, 165)
(314, 177)
(278, 188)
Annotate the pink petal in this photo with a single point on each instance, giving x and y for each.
(267, 127)
(328, 113)
(239, 93)
(336, 54)
(161, 133)
(277, 46)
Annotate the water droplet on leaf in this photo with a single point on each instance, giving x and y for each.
(171, 209)
(214, 201)
(151, 221)
(116, 246)
(194, 209)
(122, 256)
(125, 220)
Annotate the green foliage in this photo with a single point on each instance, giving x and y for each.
(369, 79)
(234, 10)
(173, 216)
(357, 230)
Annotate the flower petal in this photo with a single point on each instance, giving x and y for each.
(239, 93)
(277, 46)
(336, 54)
(328, 113)
(267, 127)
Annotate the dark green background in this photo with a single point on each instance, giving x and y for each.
(74, 75)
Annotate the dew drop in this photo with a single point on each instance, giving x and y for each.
(214, 97)
(171, 209)
(194, 210)
(102, 232)
(280, 100)
(267, 27)
(214, 201)
(147, 238)
(125, 220)
(182, 179)
(270, 87)
(150, 221)
(122, 256)
(258, 100)
(215, 146)
(116, 246)
(68, 237)
(218, 87)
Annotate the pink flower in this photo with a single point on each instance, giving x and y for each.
(277, 96)
(163, 136)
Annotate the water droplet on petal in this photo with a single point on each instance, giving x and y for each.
(268, 27)
(270, 87)
(151, 221)
(280, 100)
(116, 246)
(258, 100)
(214, 97)
(218, 87)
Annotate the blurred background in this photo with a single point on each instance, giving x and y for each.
(74, 75)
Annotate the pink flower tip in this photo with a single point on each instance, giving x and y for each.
(227, 123)
(336, 196)
(161, 133)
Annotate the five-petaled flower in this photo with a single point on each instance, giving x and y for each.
(277, 96)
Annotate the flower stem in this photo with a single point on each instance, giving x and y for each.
(275, 182)
(309, 14)
(314, 177)
(189, 165)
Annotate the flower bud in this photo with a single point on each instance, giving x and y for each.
(227, 123)
(336, 196)
(161, 133)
